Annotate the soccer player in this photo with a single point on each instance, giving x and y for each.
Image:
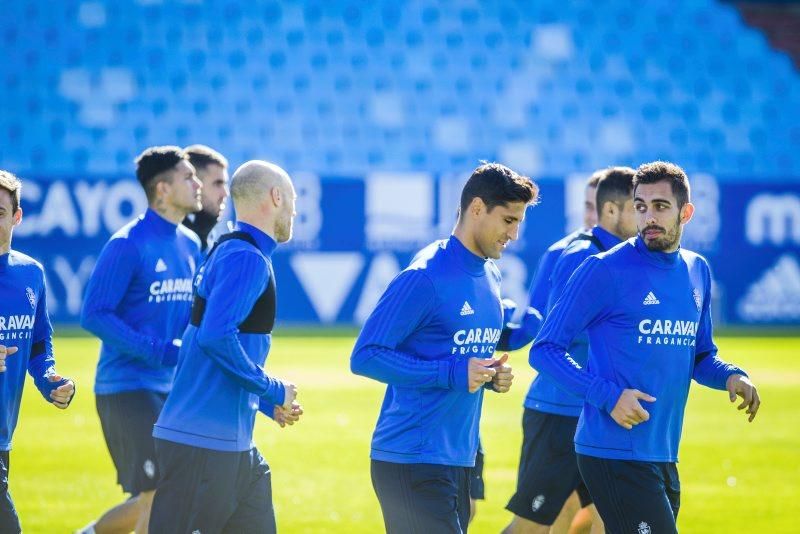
(137, 302)
(26, 338)
(213, 477)
(431, 339)
(212, 171)
(519, 336)
(645, 307)
(548, 470)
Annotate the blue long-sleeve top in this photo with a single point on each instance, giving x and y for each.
(545, 395)
(138, 301)
(24, 324)
(443, 309)
(649, 326)
(220, 381)
(516, 336)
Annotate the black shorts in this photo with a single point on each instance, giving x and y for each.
(9, 521)
(633, 496)
(127, 419)
(548, 471)
(422, 498)
(203, 490)
(476, 489)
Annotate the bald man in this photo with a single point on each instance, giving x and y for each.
(213, 477)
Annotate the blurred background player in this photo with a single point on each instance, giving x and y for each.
(214, 479)
(212, 171)
(520, 335)
(548, 471)
(431, 339)
(138, 302)
(517, 335)
(26, 339)
(645, 306)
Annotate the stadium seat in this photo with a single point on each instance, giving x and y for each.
(392, 74)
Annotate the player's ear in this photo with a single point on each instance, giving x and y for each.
(17, 216)
(477, 206)
(164, 183)
(609, 208)
(275, 194)
(687, 211)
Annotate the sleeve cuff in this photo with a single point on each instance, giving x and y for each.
(267, 408)
(458, 376)
(275, 393)
(603, 394)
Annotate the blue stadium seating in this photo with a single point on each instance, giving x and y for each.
(351, 87)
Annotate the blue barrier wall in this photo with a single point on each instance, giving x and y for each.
(353, 234)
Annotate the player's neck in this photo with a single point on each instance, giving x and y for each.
(168, 212)
(5, 247)
(268, 227)
(611, 230)
(467, 240)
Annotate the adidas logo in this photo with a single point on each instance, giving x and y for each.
(650, 299)
(775, 295)
(160, 266)
(466, 309)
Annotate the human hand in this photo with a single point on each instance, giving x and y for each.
(742, 386)
(289, 396)
(285, 417)
(479, 371)
(628, 412)
(62, 395)
(503, 377)
(5, 351)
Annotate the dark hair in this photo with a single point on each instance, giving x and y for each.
(615, 184)
(496, 184)
(595, 178)
(155, 161)
(201, 156)
(659, 171)
(11, 183)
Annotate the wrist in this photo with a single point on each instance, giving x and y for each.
(734, 374)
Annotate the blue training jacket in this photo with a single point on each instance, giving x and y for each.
(220, 383)
(545, 395)
(138, 301)
(649, 326)
(440, 311)
(24, 324)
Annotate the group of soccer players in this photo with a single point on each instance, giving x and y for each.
(619, 311)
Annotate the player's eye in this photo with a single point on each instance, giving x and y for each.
(641, 208)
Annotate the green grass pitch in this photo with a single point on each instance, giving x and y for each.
(735, 476)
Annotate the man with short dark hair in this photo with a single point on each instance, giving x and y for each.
(645, 307)
(431, 339)
(137, 302)
(214, 478)
(548, 470)
(26, 339)
(212, 171)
